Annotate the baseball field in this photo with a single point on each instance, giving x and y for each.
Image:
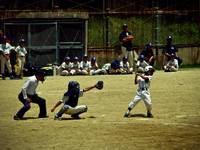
(176, 110)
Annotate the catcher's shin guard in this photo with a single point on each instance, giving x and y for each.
(62, 110)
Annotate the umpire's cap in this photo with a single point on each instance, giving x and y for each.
(40, 74)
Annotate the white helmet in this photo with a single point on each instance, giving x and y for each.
(147, 68)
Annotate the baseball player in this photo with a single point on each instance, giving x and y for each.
(85, 66)
(172, 65)
(141, 64)
(148, 54)
(70, 100)
(76, 66)
(28, 95)
(143, 81)
(94, 70)
(21, 54)
(125, 67)
(171, 49)
(5, 49)
(126, 38)
(65, 67)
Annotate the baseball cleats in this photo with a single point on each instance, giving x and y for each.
(57, 118)
(126, 115)
(17, 117)
(149, 115)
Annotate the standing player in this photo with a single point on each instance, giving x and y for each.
(28, 95)
(143, 81)
(70, 100)
(21, 54)
(5, 49)
(126, 38)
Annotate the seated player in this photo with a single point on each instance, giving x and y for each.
(85, 66)
(95, 70)
(125, 67)
(75, 66)
(65, 67)
(172, 64)
(115, 67)
(141, 64)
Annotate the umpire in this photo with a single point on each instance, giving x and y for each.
(28, 95)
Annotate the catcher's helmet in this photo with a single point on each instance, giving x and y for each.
(74, 87)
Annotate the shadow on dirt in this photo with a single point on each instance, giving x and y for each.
(137, 116)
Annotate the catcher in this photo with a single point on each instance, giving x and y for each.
(70, 100)
(143, 81)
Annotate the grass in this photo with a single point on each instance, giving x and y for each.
(176, 106)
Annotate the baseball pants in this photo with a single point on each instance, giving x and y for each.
(142, 95)
(4, 62)
(34, 99)
(72, 110)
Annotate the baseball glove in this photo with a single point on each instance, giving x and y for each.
(99, 85)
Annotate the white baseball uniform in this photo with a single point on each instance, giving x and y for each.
(143, 93)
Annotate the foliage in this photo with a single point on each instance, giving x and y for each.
(183, 32)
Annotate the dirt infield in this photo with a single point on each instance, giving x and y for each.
(176, 107)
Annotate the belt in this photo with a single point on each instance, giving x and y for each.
(144, 89)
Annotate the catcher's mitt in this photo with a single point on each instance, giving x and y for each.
(99, 85)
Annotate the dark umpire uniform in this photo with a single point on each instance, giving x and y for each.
(28, 95)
